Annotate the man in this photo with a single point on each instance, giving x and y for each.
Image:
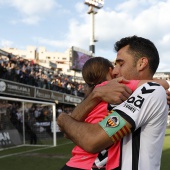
(141, 119)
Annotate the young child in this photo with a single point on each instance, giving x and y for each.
(96, 72)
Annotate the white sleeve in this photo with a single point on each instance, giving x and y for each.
(144, 106)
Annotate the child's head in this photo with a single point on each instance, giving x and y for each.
(97, 70)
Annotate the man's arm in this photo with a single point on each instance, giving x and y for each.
(127, 117)
(94, 138)
(114, 92)
(87, 136)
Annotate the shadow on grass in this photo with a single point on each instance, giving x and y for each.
(165, 161)
(167, 134)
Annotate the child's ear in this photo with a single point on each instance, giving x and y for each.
(110, 69)
(110, 74)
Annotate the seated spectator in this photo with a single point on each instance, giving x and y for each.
(27, 72)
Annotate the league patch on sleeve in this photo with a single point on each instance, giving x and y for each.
(112, 123)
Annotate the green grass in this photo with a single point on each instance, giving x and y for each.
(36, 158)
(165, 161)
(55, 157)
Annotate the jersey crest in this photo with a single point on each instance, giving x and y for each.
(112, 121)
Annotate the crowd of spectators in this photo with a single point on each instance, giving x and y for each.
(37, 119)
(33, 115)
(27, 72)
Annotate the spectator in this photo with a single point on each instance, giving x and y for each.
(27, 72)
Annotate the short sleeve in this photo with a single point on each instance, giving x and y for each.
(146, 105)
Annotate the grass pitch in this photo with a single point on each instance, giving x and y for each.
(165, 161)
(53, 158)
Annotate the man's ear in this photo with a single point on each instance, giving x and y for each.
(142, 63)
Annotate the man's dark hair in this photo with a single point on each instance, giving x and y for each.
(140, 47)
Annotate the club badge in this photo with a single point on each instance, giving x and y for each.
(112, 121)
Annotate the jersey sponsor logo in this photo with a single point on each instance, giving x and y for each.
(130, 107)
(135, 102)
(112, 121)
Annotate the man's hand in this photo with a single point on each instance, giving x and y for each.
(114, 92)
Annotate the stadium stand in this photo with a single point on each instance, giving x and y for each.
(27, 72)
(28, 94)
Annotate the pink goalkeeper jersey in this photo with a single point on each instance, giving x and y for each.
(84, 160)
